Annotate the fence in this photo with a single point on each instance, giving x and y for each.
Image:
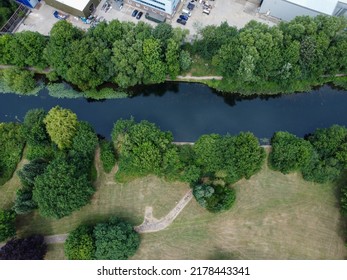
(15, 19)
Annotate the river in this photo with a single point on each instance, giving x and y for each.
(189, 110)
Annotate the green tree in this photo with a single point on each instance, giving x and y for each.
(173, 58)
(128, 61)
(61, 125)
(185, 60)
(89, 63)
(328, 160)
(21, 81)
(115, 240)
(7, 224)
(24, 202)
(289, 153)
(34, 127)
(62, 189)
(79, 245)
(107, 155)
(27, 48)
(214, 198)
(62, 35)
(144, 148)
(152, 60)
(30, 171)
(85, 140)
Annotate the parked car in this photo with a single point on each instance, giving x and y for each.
(181, 21)
(139, 15)
(185, 11)
(190, 6)
(184, 17)
(134, 13)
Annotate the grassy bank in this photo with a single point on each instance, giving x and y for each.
(273, 217)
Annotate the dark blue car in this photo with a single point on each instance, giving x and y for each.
(184, 17)
(134, 13)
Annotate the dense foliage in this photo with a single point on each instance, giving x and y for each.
(61, 125)
(12, 141)
(18, 80)
(215, 198)
(321, 157)
(107, 155)
(115, 240)
(7, 224)
(229, 157)
(24, 202)
(29, 248)
(144, 149)
(289, 153)
(330, 157)
(287, 57)
(61, 189)
(80, 244)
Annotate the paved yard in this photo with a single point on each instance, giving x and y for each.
(235, 12)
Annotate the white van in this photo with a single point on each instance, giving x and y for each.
(187, 12)
(207, 12)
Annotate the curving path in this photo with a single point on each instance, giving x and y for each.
(151, 224)
(199, 78)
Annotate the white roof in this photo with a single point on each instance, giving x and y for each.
(77, 4)
(322, 6)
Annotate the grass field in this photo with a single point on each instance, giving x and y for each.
(275, 216)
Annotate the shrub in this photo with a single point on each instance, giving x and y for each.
(80, 244)
(7, 224)
(107, 155)
(215, 198)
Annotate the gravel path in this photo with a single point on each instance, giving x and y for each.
(150, 224)
(199, 78)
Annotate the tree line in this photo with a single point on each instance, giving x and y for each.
(254, 59)
(262, 59)
(120, 52)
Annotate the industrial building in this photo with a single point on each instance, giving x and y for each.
(165, 8)
(288, 9)
(79, 8)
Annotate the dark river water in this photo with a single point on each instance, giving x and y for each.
(190, 110)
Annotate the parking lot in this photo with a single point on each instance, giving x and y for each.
(235, 12)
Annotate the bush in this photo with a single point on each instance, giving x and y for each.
(107, 155)
(7, 224)
(215, 198)
(80, 244)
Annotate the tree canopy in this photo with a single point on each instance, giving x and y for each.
(29, 248)
(61, 189)
(61, 125)
(79, 245)
(289, 153)
(115, 240)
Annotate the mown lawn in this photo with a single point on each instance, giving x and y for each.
(275, 216)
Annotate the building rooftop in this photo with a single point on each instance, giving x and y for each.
(323, 6)
(77, 4)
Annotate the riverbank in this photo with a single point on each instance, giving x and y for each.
(219, 83)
